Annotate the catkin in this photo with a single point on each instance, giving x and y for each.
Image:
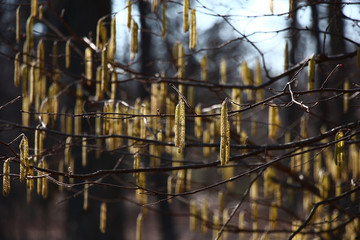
(224, 134)
(223, 71)
(84, 151)
(18, 26)
(67, 152)
(30, 172)
(204, 68)
(311, 73)
(180, 125)
(44, 189)
(164, 20)
(29, 33)
(204, 216)
(134, 39)
(139, 223)
(180, 61)
(272, 126)
(198, 122)
(88, 65)
(67, 53)
(6, 177)
(129, 17)
(193, 29)
(24, 155)
(31, 83)
(246, 78)
(86, 197)
(41, 12)
(346, 97)
(39, 179)
(103, 210)
(272, 6)
(112, 40)
(34, 8)
(339, 148)
(17, 70)
(186, 15)
(193, 214)
(216, 224)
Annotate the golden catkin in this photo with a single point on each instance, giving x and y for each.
(192, 29)
(31, 83)
(29, 33)
(6, 177)
(84, 151)
(34, 8)
(186, 16)
(139, 223)
(180, 61)
(179, 126)
(30, 173)
(225, 217)
(86, 197)
(103, 214)
(311, 73)
(180, 181)
(41, 12)
(104, 71)
(216, 224)
(18, 24)
(68, 53)
(88, 65)
(225, 134)
(164, 20)
(346, 97)
(272, 125)
(25, 108)
(113, 85)
(339, 148)
(193, 215)
(246, 78)
(198, 123)
(67, 151)
(136, 166)
(188, 180)
(273, 214)
(99, 93)
(100, 34)
(304, 126)
(24, 155)
(44, 187)
(223, 71)
(134, 39)
(204, 68)
(204, 216)
(241, 223)
(112, 41)
(129, 17)
(272, 6)
(286, 57)
(258, 81)
(154, 5)
(17, 70)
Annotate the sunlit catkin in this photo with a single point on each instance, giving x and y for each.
(112, 41)
(34, 8)
(17, 70)
(192, 29)
(204, 68)
(100, 34)
(86, 197)
(103, 214)
(215, 224)
(193, 215)
(246, 78)
(44, 187)
(30, 174)
(139, 223)
(225, 135)
(339, 148)
(186, 16)
(6, 177)
(88, 65)
(223, 71)
(164, 20)
(68, 53)
(258, 81)
(204, 216)
(129, 17)
(67, 152)
(41, 12)
(272, 125)
(311, 73)
(198, 122)
(29, 32)
(272, 6)
(179, 126)
(134, 39)
(18, 26)
(24, 155)
(180, 181)
(84, 151)
(180, 61)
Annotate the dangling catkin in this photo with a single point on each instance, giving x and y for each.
(112, 40)
(67, 53)
(6, 177)
(86, 197)
(139, 223)
(134, 39)
(339, 148)
(179, 126)
(186, 16)
(103, 210)
(88, 65)
(18, 26)
(24, 155)
(193, 29)
(223, 71)
(17, 70)
(34, 8)
(129, 17)
(224, 134)
(204, 68)
(311, 73)
(193, 215)
(44, 189)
